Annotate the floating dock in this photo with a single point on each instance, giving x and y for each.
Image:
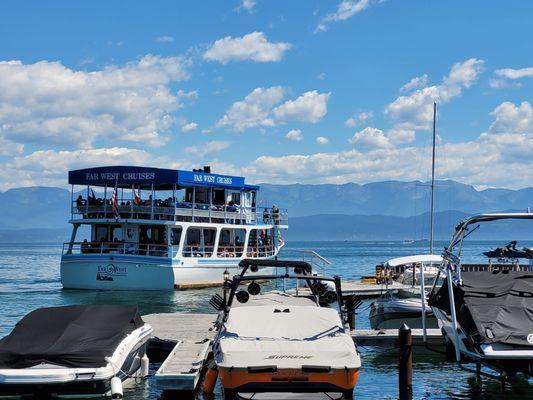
(190, 337)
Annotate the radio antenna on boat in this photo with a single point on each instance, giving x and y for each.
(432, 207)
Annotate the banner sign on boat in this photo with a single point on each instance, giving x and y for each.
(126, 176)
(192, 178)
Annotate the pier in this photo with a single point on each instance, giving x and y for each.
(188, 338)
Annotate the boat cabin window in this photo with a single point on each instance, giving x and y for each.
(175, 236)
(235, 198)
(260, 243)
(101, 233)
(231, 243)
(199, 242)
(218, 197)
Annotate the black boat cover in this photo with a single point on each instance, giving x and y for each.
(79, 336)
(493, 307)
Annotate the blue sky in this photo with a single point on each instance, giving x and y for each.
(299, 91)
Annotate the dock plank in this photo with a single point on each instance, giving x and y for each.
(192, 334)
(389, 337)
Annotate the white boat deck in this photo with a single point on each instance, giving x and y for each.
(193, 334)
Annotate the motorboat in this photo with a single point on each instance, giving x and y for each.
(390, 312)
(429, 262)
(509, 251)
(74, 351)
(486, 315)
(284, 341)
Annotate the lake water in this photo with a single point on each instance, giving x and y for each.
(29, 278)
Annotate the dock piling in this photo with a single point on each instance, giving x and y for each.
(405, 363)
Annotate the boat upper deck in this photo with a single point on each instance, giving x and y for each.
(154, 194)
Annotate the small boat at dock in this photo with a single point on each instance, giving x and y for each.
(74, 351)
(281, 342)
(486, 315)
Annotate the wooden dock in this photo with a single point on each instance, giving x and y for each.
(389, 337)
(191, 336)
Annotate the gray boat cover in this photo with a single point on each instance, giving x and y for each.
(79, 336)
(286, 336)
(494, 307)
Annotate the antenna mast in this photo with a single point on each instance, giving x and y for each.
(432, 207)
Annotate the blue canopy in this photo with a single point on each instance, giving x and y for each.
(124, 176)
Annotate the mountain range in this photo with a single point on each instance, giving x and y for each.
(390, 210)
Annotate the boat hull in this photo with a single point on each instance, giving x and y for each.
(288, 380)
(129, 272)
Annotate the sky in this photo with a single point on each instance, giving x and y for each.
(310, 91)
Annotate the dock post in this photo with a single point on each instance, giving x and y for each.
(405, 363)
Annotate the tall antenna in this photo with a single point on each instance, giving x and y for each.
(432, 207)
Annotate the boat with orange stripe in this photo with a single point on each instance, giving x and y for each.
(284, 341)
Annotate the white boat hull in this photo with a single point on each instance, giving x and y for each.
(130, 272)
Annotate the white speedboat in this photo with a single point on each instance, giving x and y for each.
(390, 312)
(154, 229)
(74, 351)
(280, 342)
(405, 265)
(486, 315)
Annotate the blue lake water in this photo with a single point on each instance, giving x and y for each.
(29, 278)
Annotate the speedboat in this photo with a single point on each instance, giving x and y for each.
(487, 316)
(284, 342)
(429, 262)
(74, 351)
(390, 312)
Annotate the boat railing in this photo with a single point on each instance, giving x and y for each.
(185, 212)
(141, 249)
(161, 250)
(318, 262)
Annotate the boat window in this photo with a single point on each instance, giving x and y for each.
(100, 233)
(116, 233)
(218, 197)
(231, 243)
(261, 243)
(199, 242)
(175, 236)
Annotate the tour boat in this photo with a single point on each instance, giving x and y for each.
(75, 351)
(486, 314)
(155, 229)
(284, 342)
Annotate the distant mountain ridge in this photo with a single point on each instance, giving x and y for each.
(381, 210)
(395, 198)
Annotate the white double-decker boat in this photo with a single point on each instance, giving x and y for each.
(152, 229)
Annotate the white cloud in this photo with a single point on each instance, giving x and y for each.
(346, 9)
(507, 77)
(46, 102)
(165, 39)
(511, 73)
(322, 140)
(207, 148)
(415, 110)
(512, 119)
(258, 109)
(400, 136)
(295, 134)
(253, 46)
(358, 119)
(10, 148)
(415, 83)
(254, 111)
(321, 76)
(370, 138)
(247, 5)
(189, 127)
(309, 107)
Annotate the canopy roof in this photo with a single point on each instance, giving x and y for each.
(162, 179)
(420, 258)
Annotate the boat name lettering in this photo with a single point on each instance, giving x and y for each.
(222, 180)
(126, 176)
(282, 356)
